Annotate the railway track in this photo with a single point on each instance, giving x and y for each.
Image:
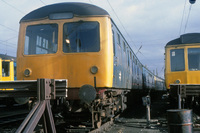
(12, 116)
(104, 127)
(84, 129)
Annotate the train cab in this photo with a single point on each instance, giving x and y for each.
(182, 59)
(70, 43)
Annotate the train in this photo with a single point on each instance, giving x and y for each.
(8, 68)
(182, 70)
(7, 73)
(81, 43)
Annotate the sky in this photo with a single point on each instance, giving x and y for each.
(147, 25)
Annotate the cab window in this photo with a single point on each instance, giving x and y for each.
(194, 59)
(81, 37)
(177, 60)
(41, 39)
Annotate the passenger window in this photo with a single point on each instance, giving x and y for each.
(118, 39)
(128, 58)
(177, 60)
(113, 34)
(124, 46)
(131, 56)
(138, 70)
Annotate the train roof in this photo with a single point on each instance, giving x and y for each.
(186, 39)
(78, 9)
(7, 57)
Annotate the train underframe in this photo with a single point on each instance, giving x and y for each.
(76, 111)
(185, 96)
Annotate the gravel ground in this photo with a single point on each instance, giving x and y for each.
(133, 120)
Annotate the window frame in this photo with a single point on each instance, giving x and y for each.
(26, 47)
(192, 58)
(63, 41)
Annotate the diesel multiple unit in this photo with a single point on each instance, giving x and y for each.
(81, 43)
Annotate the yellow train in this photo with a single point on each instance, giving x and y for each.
(81, 43)
(182, 67)
(7, 73)
(7, 69)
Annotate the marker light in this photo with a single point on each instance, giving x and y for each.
(56, 16)
(94, 69)
(27, 72)
(177, 81)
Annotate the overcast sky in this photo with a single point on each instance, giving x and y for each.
(147, 23)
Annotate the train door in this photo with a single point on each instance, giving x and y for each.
(137, 75)
(140, 76)
(144, 78)
(130, 70)
(114, 61)
(134, 81)
(117, 76)
(124, 65)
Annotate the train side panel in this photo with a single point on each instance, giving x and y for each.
(122, 61)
